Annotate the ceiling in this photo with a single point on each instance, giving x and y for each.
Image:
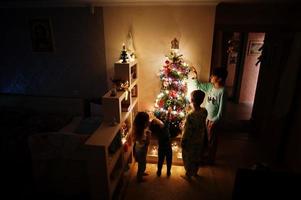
(130, 2)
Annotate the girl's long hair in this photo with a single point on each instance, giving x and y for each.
(140, 123)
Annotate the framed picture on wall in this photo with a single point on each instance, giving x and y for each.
(232, 58)
(41, 35)
(255, 47)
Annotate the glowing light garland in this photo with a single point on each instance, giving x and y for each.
(173, 92)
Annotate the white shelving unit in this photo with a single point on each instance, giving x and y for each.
(110, 147)
(116, 106)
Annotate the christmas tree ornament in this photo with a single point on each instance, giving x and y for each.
(123, 56)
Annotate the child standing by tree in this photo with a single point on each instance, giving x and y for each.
(194, 135)
(141, 136)
(161, 131)
(215, 105)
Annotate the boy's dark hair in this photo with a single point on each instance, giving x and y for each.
(155, 127)
(220, 72)
(198, 96)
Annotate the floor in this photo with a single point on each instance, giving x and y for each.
(236, 150)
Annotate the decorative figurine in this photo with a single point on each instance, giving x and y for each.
(125, 87)
(123, 55)
(175, 44)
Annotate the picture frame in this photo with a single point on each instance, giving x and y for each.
(254, 47)
(233, 58)
(41, 35)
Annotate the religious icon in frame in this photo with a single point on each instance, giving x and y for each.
(41, 35)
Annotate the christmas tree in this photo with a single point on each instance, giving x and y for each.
(170, 105)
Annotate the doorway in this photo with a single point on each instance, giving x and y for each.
(239, 52)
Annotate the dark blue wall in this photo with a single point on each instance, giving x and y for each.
(75, 68)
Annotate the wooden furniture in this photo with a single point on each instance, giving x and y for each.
(110, 147)
(115, 107)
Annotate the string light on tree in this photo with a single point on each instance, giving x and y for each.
(172, 96)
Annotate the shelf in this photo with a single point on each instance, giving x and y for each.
(128, 153)
(121, 174)
(127, 174)
(103, 135)
(119, 95)
(132, 63)
(112, 159)
(134, 102)
(125, 105)
(134, 83)
(126, 71)
(125, 115)
(115, 181)
(107, 155)
(116, 106)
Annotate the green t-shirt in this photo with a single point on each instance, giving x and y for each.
(214, 101)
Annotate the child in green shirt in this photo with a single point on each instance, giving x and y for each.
(216, 97)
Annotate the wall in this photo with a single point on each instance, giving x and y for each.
(250, 71)
(44, 104)
(153, 27)
(76, 67)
